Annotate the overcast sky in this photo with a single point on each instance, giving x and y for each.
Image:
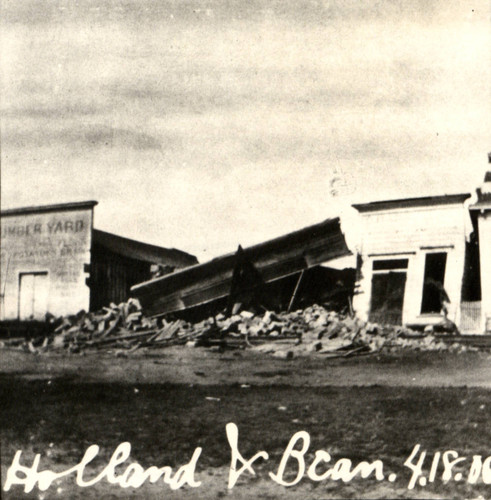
(203, 124)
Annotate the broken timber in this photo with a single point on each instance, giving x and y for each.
(274, 259)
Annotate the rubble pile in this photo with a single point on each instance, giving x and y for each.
(122, 326)
(334, 335)
(286, 334)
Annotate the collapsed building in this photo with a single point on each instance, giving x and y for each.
(420, 262)
(289, 271)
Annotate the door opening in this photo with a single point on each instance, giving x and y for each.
(33, 295)
(388, 287)
(434, 295)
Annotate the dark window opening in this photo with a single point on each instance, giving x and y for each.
(389, 264)
(434, 295)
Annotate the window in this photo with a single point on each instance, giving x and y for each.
(390, 264)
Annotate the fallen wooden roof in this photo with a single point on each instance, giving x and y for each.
(274, 259)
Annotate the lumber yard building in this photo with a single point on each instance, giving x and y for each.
(427, 261)
(53, 260)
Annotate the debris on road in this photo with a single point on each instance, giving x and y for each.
(314, 330)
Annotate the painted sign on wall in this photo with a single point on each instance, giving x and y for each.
(42, 262)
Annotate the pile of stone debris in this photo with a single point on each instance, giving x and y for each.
(315, 329)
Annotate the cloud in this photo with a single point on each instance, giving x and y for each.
(53, 110)
(105, 136)
(93, 136)
(137, 12)
(215, 116)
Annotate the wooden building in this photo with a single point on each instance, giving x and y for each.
(424, 260)
(419, 263)
(481, 216)
(53, 260)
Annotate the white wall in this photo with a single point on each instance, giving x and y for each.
(57, 243)
(485, 260)
(404, 233)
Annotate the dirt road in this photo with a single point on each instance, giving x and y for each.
(184, 365)
(169, 403)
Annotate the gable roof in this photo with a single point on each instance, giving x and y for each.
(142, 251)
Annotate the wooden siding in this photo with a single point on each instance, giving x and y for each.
(470, 317)
(406, 231)
(484, 222)
(112, 276)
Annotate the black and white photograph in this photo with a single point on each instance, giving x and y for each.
(245, 249)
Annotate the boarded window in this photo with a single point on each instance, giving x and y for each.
(434, 294)
(33, 295)
(388, 286)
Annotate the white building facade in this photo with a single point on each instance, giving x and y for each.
(481, 214)
(44, 250)
(413, 256)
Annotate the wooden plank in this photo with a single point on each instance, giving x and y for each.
(295, 291)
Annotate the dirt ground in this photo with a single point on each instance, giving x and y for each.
(166, 403)
(190, 365)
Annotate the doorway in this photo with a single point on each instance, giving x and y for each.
(33, 295)
(388, 287)
(434, 294)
